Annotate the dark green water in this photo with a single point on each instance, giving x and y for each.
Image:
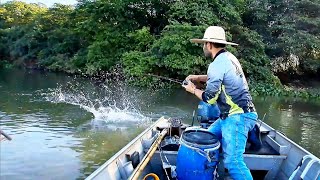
(64, 127)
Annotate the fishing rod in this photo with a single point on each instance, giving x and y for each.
(185, 82)
(5, 135)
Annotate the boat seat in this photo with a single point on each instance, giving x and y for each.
(269, 147)
(265, 149)
(309, 169)
(272, 154)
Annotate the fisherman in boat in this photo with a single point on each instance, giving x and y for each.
(226, 85)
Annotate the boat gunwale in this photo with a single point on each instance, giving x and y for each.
(122, 150)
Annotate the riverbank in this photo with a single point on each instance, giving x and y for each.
(256, 89)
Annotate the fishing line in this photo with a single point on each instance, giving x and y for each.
(169, 79)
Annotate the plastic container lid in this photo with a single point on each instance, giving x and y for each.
(200, 137)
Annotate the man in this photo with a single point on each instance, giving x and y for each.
(226, 86)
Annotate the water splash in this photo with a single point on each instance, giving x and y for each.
(115, 106)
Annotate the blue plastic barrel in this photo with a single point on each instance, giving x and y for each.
(198, 155)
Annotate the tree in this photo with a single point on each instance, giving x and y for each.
(290, 30)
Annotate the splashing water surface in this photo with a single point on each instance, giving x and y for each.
(113, 106)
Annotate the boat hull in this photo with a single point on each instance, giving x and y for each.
(279, 158)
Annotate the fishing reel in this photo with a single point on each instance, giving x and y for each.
(199, 85)
(185, 82)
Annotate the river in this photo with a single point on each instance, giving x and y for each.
(65, 127)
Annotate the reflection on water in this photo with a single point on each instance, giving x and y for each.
(65, 127)
(297, 119)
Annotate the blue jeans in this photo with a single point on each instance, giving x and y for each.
(233, 134)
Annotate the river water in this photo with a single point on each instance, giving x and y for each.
(64, 127)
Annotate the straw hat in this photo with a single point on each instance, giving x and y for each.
(215, 34)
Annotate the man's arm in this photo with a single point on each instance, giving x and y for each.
(216, 72)
(202, 78)
(197, 78)
(198, 93)
(214, 81)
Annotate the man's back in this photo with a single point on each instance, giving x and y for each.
(226, 71)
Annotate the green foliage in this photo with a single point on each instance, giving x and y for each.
(172, 54)
(288, 28)
(152, 36)
(251, 53)
(4, 64)
(3, 43)
(175, 54)
(56, 63)
(204, 12)
(100, 57)
(264, 89)
(141, 39)
(259, 88)
(15, 13)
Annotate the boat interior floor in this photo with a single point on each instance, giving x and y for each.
(265, 149)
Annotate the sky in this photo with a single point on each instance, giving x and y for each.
(48, 3)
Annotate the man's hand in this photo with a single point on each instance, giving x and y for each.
(190, 87)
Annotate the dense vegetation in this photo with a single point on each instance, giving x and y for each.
(278, 38)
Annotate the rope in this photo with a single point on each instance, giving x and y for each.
(160, 149)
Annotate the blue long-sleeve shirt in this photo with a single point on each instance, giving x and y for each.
(227, 85)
